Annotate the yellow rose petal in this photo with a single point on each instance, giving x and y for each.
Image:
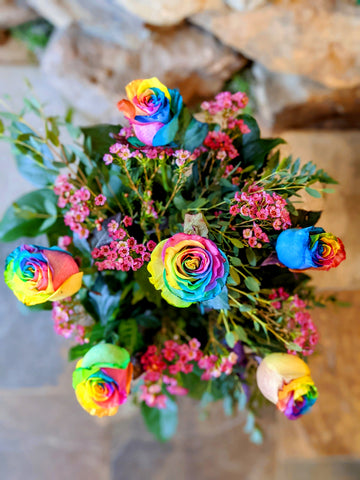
(152, 83)
(132, 88)
(156, 267)
(68, 288)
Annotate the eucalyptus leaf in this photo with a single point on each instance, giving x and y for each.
(161, 422)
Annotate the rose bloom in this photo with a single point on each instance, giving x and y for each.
(285, 380)
(188, 269)
(311, 247)
(38, 274)
(102, 379)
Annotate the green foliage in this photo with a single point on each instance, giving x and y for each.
(254, 150)
(100, 136)
(129, 335)
(162, 423)
(31, 215)
(106, 304)
(35, 34)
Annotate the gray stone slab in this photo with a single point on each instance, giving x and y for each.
(203, 450)
(329, 469)
(44, 434)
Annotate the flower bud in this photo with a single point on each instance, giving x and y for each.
(285, 380)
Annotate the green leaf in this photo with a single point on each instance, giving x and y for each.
(236, 242)
(31, 215)
(312, 192)
(228, 405)
(235, 276)
(78, 351)
(293, 346)
(256, 436)
(129, 336)
(254, 149)
(251, 257)
(106, 305)
(230, 339)
(305, 218)
(252, 284)
(241, 333)
(195, 135)
(193, 383)
(162, 423)
(235, 261)
(100, 137)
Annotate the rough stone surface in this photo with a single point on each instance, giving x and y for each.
(338, 153)
(92, 73)
(12, 51)
(163, 12)
(320, 40)
(243, 5)
(105, 19)
(14, 13)
(286, 101)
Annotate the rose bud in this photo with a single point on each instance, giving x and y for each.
(285, 380)
(153, 111)
(311, 247)
(102, 379)
(38, 274)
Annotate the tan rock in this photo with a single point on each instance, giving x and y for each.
(286, 101)
(165, 12)
(105, 19)
(12, 14)
(12, 51)
(298, 37)
(243, 5)
(92, 73)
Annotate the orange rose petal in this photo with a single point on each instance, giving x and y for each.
(127, 108)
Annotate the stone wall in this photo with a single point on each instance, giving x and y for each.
(304, 56)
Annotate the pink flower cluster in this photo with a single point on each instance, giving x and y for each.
(126, 151)
(222, 143)
(71, 320)
(80, 203)
(268, 209)
(229, 170)
(124, 252)
(299, 321)
(225, 101)
(162, 369)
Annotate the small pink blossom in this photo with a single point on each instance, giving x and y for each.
(100, 200)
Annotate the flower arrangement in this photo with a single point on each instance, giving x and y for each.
(177, 255)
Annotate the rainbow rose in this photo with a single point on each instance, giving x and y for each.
(188, 269)
(38, 274)
(311, 247)
(285, 380)
(155, 113)
(102, 379)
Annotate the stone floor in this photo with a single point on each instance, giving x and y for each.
(45, 435)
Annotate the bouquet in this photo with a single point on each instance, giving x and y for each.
(177, 255)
